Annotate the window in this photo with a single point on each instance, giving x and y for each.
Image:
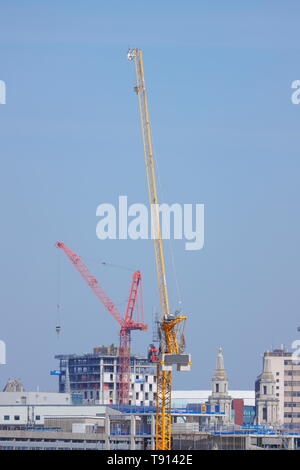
(150, 387)
(37, 417)
(146, 396)
(265, 390)
(277, 373)
(111, 377)
(6, 418)
(264, 414)
(137, 395)
(142, 387)
(217, 388)
(17, 418)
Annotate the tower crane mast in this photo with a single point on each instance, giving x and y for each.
(169, 325)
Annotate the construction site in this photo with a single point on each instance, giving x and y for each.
(169, 352)
(112, 399)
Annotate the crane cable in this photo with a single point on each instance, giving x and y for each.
(58, 293)
(170, 244)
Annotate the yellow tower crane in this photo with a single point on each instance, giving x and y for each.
(170, 350)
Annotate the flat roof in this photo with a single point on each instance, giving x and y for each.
(202, 395)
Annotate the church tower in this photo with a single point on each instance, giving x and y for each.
(267, 404)
(219, 394)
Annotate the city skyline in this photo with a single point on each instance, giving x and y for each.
(225, 135)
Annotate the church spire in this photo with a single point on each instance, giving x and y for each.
(220, 394)
(220, 372)
(220, 360)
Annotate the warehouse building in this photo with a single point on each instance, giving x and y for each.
(37, 426)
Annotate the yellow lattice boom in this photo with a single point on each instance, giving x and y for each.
(169, 323)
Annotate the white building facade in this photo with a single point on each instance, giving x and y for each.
(286, 373)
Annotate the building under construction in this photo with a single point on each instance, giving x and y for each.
(94, 377)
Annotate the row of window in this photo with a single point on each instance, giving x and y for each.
(90, 362)
(17, 418)
(85, 385)
(292, 383)
(292, 415)
(91, 395)
(146, 395)
(291, 404)
(107, 360)
(142, 403)
(93, 381)
(292, 372)
(91, 376)
(142, 387)
(85, 378)
(292, 394)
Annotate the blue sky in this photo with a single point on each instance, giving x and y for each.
(225, 134)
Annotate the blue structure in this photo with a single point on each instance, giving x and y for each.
(249, 415)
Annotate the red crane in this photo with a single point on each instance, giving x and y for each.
(127, 323)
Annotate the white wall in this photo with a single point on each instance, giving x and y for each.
(35, 398)
(28, 414)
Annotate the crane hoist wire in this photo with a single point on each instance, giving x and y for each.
(170, 242)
